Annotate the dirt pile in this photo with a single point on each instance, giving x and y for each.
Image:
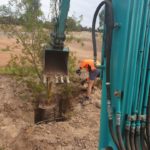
(18, 131)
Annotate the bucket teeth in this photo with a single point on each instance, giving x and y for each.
(57, 79)
(61, 79)
(67, 80)
(44, 79)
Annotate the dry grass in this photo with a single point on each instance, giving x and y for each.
(81, 46)
(84, 48)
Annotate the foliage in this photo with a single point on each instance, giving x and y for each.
(30, 36)
(7, 48)
(74, 23)
(71, 38)
(72, 64)
(54, 5)
(32, 12)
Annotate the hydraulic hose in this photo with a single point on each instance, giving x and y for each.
(137, 138)
(121, 144)
(145, 136)
(110, 23)
(143, 141)
(132, 134)
(118, 130)
(109, 29)
(110, 123)
(138, 120)
(127, 137)
(148, 121)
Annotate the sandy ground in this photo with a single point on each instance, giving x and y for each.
(8, 47)
(82, 49)
(17, 128)
(18, 131)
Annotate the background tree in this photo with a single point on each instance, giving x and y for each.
(24, 21)
(30, 35)
(74, 23)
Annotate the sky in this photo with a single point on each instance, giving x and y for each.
(77, 8)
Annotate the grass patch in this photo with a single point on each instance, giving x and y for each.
(71, 38)
(28, 76)
(17, 71)
(5, 49)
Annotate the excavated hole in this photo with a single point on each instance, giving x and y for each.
(53, 113)
(42, 116)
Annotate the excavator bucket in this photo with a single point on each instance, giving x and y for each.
(56, 62)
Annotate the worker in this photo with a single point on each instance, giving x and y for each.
(93, 72)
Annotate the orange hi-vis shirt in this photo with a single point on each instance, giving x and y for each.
(86, 63)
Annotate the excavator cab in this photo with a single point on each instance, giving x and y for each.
(56, 62)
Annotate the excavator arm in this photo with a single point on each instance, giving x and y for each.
(56, 56)
(58, 36)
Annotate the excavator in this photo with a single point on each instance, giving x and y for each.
(125, 70)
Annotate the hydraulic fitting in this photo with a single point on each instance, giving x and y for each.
(118, 93)
(109, 110)
(118, 119)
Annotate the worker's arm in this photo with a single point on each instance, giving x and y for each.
(78, 71)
